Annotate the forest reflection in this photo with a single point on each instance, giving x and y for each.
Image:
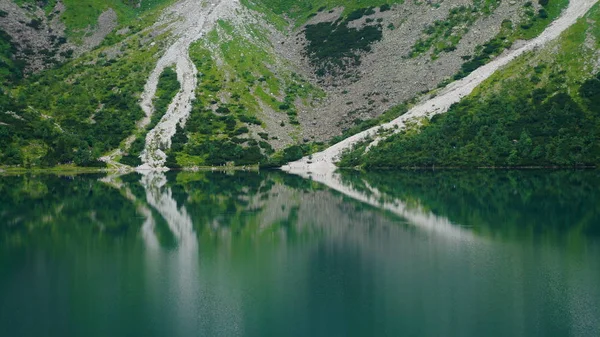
(249, 253)
(181, 209)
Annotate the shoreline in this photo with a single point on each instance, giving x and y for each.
(90, 170)
(255, 168)
(467, 168)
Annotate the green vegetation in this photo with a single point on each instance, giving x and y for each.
(515, 127)
(47, 5)
(168, 87)
(28, 139)
(289, 154)
(361, 125)
(230, 100)
(533, 21)
(213, 128)
(444, 35)
(76, 112)
(79, 15)
(334, 47)
(11, 70)
(541, 111)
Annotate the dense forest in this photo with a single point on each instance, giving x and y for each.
(516, 126)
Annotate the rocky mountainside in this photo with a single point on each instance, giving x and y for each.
(165, 83)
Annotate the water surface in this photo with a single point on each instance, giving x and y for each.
(482, 253)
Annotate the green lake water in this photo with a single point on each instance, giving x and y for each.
(450, 253)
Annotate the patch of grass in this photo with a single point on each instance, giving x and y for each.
(46, 5)
(534, 23)
(11, 70)
(168, 87)
(82, 14)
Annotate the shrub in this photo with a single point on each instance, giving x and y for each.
(223, 110)
(241, 131)
(333, 47)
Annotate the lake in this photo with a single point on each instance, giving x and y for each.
(410, 253)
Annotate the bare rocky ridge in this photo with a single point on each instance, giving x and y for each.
(322, 163)
(40, 39)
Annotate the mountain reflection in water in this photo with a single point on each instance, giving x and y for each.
(492, 253)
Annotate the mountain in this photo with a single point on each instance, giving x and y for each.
(543, 109)
(165, 83)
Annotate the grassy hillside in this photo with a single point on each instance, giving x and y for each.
(76, 112)
(236, 99)
(90, 105)
(533, 24)
(80, 15)
(249, 101)
(542, 110)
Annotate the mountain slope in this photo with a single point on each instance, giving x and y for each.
(435, 105)
(542, 110)
(259, 81)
